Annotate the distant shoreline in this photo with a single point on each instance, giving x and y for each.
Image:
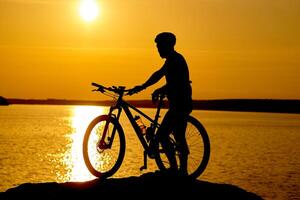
(247, 105)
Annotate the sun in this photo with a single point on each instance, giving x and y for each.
(89, 10)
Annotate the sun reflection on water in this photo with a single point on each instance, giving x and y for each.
(73, 159)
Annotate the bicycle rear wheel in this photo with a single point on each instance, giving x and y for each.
(103, 161)
(199, 149)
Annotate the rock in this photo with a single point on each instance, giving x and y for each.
(149, 185)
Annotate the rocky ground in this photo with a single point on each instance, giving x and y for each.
(149, 185)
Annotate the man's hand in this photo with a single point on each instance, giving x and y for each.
(136, 89)
(156, 93)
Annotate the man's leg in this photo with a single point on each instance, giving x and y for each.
(179, 134)
(163, 134)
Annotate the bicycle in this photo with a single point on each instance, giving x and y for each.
(104, 140)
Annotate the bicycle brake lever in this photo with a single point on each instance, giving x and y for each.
(129, 93)
(99, 89)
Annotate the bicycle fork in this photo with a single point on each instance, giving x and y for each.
(102, 144)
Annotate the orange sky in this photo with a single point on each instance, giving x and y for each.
(234, 48)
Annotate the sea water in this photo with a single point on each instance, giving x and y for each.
(258, 152)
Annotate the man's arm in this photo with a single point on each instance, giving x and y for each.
(154, 78)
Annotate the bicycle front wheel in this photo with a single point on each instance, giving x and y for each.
(199, 149)
(103, 160)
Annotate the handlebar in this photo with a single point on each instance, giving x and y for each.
(120, 90)
(96, 85)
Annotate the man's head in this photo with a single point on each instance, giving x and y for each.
(165, 43)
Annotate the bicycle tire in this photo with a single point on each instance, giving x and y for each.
(104, 162)
(199, 149)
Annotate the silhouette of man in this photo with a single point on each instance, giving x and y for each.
(179, 94)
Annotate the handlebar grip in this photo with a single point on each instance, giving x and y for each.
(96, 85)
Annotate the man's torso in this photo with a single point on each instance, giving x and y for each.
(179, 90)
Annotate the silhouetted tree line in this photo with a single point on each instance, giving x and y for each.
(3, 101)
(250, 105)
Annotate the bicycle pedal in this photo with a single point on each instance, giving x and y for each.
(143, 168)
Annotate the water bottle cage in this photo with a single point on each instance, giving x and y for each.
(149, 133)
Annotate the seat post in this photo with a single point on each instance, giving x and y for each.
(159, 106)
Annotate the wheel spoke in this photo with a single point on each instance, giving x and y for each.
(198, 144)
(107, 160)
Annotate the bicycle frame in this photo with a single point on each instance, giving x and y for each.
(123, 105)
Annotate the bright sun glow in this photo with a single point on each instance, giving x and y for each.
(82, 116)
(89, 10)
